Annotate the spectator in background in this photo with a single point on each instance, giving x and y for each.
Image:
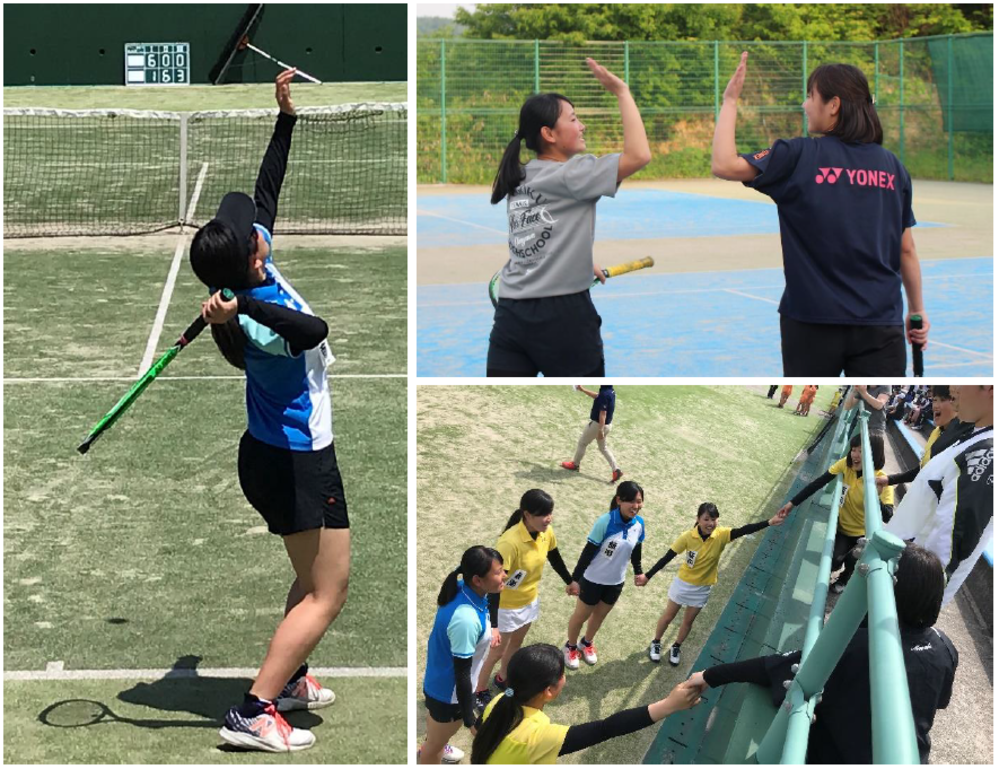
(785, 393)
(771, 391)
(874, 398)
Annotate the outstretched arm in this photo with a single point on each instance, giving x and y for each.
(636, 154)
(275, 162)
(912, 281)
(725, 160)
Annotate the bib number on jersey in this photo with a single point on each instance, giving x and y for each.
(691, 558)
(610, 547)
(515, 579)
(842, 495)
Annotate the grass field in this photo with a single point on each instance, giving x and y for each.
(480, 448)
(143, 554)
(119, 174)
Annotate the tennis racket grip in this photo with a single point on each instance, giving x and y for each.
(199, 323)
(916, 322)
(621, 269)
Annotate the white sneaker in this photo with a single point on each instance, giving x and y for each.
(304, 693)
(656, 651)
(589, 653)
(571, 657)
(674, 655)
(452, 755)
(266, 731)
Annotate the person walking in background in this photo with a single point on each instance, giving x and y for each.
(785, 393)
(597, 429)
(771, 391)
(845, 209)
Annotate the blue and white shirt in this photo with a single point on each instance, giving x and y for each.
(461, 629)
(287, 396)
(616, 538)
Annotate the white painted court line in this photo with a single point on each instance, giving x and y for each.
(934, 342)
(60, 674)
(161, 311)
(42, 380)
(459, 221)
(750, 296)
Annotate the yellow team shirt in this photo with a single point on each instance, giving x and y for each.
(524, 559)
(701, 556)
(535, 740)
(851, 504)
(929, 444)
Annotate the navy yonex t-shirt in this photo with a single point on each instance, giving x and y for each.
(604, 400)
(842, 210)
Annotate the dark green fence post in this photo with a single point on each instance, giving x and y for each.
(950, 107)
(877, 72)
(804, 85)
(443, 111)
(716, 81)
(901, 101)
(537, 66)
(627, 64)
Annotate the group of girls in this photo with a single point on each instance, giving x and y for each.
(843, 201)
(483, 618)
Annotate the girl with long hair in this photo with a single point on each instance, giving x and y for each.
(551, 210)
(845, 209)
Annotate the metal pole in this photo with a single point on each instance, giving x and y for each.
(950, 108)
(716, 82)
(183, 169)
(443, 111)
(804, 85)
(537, 67)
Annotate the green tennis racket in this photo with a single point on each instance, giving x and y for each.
(189, 335)
(609, 272)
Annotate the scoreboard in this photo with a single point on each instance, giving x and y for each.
(157, 63)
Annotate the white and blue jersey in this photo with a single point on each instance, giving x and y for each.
(461, 629)
(287, 395)
(616, 538)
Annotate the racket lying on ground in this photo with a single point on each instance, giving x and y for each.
(609, 272)
(189, 335)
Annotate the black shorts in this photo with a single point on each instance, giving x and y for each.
(591, 593)
(554, 336)
(820, 349)
(442, 712)
(293, 490)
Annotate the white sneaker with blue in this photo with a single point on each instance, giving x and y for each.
(304, 693)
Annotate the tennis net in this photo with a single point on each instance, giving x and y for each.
(128, 172)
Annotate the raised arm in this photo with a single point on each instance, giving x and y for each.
(275, 162)
(725, 161)
(636, 154)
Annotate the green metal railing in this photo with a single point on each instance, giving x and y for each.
(933, 94)
(870, 592)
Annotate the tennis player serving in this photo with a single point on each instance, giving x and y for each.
(545, 321)
(287, 464)
(845, 209)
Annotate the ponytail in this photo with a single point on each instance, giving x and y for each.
(539, 111)
(531, 670)
(231, 341)
(477, 561)
(534, 502)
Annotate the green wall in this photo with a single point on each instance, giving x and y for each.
(63, 44)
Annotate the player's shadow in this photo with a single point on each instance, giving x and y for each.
(181, 690)
(538, 472)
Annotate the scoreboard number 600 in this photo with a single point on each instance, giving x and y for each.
(157, 63)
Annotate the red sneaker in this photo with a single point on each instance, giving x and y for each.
(570, 466)
(618, 475)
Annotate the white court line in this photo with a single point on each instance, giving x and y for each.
(749, 296)
(43, 380)
(161, 311)
(459, 221)
(955, 365)
(54, 673)
(934, 342)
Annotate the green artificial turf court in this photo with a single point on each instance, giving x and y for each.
(480, 448)
(144, 552)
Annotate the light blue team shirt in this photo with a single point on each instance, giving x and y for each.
(461, 629)
(287, 396)
(616, 539)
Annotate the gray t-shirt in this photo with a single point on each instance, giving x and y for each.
(552, 218)
(876, 424)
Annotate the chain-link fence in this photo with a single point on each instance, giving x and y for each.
(933, 94)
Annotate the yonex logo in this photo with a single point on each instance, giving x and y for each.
(828, 175)
(978, 463)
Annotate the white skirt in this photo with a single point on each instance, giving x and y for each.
(514, 619)
(686, 594)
